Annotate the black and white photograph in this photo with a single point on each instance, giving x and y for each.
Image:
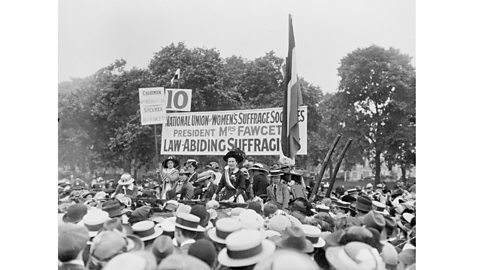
(247, 135)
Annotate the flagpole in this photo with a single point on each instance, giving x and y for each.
(156, 145)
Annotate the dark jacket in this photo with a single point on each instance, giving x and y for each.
(238, 181)
(282, 196)
(260, 184)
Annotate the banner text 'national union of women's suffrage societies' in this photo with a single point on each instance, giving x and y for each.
(256, 132)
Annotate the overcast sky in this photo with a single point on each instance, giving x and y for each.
(94, 33)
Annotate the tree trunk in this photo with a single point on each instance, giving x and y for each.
(404, 172)
(330, 169)
(378, 165)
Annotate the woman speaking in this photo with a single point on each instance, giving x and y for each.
(233, 180)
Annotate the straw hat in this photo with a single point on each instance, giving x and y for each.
(236, 153)
(224, 227)
(146, 230)
(94, 220)
(312, 234)
(188, 222)
(295, 238)
(287, 260)
(245, 247)
(380, 208)
(353, 256)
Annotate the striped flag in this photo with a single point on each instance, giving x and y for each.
(292, 100)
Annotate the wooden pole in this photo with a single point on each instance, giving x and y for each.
(156, 146)
(326, 160)
(335, 171)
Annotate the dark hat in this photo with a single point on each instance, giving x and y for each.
(162, 247)
(201, 212)
(343, 204)
(172, 158)
(348, 198)
(114, 208)
(204, 250)
(75, 213)
(255, 206)
(269, 209)
(294, 238)
(258, 167)
(364, 203)
(374, 220)
(140, 214)
(192, 162)
(213, 165)
(236, 153)
(72, 238)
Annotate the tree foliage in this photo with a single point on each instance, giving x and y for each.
(377, 97)
(99, 116)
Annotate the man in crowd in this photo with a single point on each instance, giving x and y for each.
(278, 192)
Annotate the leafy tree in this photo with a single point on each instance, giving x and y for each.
(376, 93)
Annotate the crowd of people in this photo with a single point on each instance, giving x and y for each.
(243, 216)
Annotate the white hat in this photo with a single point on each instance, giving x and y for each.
(188, 222)
(380, 208)
(167, 225)
(313, 233)
(249, 219)
(285, 259)
(125, 179)
(369, 185)
(146, 230)
(224, 227)
(354, 255)
(94, 220)
(245, 247)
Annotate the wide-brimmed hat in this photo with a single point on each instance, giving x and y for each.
(374, 220)
(249, 219)
(107, 244)
(126, 179)
(245, 247)
(354, 255)
(167, 225)
(213, 166)
(312, 234)
(342, 204)
(171, 205)
(380, 208)
(269, 209)
(294, 238)
(188, 222)
(223, 228)
(162, 247)
(203, 250)
(285, 259)
(75, 213)
(321, 208)
(140, 214)
(364, 203)
(146, 230)
(236, 153)
(132, 261)
(201, 212)
(79, 184)
(72, 239)
(192, 162)
(114, 208)
(94, 221)
(170, 158)
(279, 223)
(182, 262)
(275, 172)
(258, 167)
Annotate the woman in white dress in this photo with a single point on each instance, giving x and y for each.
(168, 175)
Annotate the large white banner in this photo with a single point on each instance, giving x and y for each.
(256, 132)
(152, 105)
